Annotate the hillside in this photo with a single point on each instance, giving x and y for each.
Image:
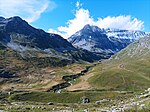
(21, 72)
(128, 70)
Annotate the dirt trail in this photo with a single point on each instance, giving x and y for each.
(83, 84)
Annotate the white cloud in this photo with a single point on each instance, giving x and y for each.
(78, 4)
(30, 10)
(120, 22)
(82, 17)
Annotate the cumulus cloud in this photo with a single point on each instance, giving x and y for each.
(83, 17)
(120, 22)
(30, 10)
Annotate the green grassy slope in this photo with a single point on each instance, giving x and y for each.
(67, 97)
(127, 70)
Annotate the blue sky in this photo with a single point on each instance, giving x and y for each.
(98, 8)
(63, 16)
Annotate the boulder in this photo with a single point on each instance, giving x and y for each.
(85, 100)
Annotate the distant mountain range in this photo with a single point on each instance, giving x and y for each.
(89, 44)
(108, 41)
(18, 35)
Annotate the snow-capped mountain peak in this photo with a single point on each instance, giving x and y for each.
(95, 39)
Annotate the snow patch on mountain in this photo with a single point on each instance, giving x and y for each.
(126, 34)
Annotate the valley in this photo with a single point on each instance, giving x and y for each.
(71, 100)
(102, 98)
(39, 74)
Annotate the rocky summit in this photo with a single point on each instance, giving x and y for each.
(99, 40)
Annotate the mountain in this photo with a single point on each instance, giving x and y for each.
(109, 41)
(29, 55)
(127, 70)
(34, 64)
(18, 35)
(15, 30)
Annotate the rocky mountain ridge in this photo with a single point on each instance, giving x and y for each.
(99, 40)
(18, 35)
